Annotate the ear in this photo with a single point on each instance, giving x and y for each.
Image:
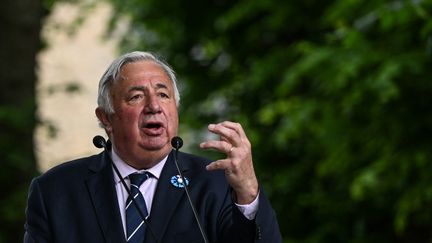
(104, 119)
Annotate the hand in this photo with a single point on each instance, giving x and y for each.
(238, 165)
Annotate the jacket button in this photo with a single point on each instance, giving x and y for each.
(258, 235)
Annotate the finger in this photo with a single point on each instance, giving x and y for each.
(235, 126)
(227, 132)
(221, 146)
(238, 136)
(222, 164)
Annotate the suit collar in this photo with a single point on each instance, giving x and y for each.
(166, 198)
(126, 169)
(100, 184)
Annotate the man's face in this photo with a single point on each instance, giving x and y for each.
(145, 117)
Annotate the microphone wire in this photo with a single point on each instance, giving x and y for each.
(177, 142)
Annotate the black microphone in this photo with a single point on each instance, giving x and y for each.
(177, 143)
(100, 142)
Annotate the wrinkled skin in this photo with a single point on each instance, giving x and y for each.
(145, 114)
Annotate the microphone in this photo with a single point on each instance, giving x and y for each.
(100, 142)
(177, 143)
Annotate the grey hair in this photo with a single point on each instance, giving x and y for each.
(112, 75)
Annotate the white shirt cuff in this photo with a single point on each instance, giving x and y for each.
(249, 210)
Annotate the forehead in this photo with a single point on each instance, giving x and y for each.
(143, 71)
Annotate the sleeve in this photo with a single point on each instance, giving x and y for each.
(249, 210)
(266, 224)
(36, 226)
(263, 228)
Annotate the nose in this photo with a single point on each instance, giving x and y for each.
(152, 104)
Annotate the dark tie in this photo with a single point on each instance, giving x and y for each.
(135, 225)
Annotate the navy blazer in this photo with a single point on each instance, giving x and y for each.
(77, 202)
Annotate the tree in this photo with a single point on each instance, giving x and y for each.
(334, 96)
(20, 24)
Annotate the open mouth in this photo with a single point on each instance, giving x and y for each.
(153, 125)
(153, 128)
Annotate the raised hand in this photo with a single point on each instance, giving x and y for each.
(238, 164)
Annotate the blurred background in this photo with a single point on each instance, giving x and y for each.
(334, 96)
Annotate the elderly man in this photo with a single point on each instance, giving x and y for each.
(90, 199)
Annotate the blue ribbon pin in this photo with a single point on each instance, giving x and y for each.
(178, 182)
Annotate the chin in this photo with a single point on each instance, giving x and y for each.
(153, 144)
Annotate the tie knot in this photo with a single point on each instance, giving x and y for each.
(138, 178)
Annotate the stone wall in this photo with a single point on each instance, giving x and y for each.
(74, 59)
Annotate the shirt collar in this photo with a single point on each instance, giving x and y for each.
(126, 169)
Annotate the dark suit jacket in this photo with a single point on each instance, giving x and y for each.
(77, 202)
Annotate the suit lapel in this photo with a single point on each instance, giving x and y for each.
(165, 200)
(100, 185)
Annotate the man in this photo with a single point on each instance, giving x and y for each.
(85, 200)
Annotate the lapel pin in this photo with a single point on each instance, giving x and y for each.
(178, 182)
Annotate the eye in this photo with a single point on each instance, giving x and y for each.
(163, 95)
(136, 97)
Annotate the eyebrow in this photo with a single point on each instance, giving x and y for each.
(161, 86)
(142, 88)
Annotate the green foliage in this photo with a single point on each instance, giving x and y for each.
(334, 96)
(18, 167)
(20, 24)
